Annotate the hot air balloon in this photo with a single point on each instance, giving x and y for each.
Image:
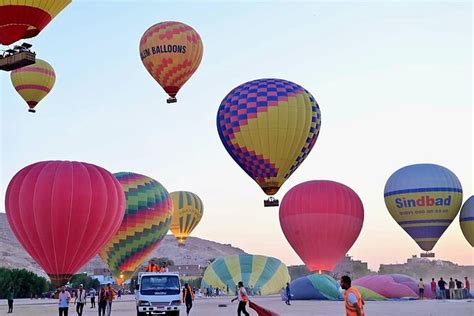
(423, 199)
(25, 19)
(466, 219)
(147, 219)
(63, 213)
(269, 126)
(266, 275)
(33, 82)
(171, 52)
(321, 220)
(188, 209)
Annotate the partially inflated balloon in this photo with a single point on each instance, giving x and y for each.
(268, 127)
(33, 82)
(466, 219)
(188, 210)
(63, 213)
(423, 199)
(171, 52)
(321, 220)
(147, 219)
(26, 18)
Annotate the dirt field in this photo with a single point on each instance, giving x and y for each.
(126, 307)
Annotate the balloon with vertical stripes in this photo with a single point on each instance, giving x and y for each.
(33, 82)
(188, 210)
(466, 220)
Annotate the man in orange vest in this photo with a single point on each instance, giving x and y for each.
(352, 298)
(152, 267)
(243, 299)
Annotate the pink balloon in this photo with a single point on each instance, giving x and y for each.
(321, 220)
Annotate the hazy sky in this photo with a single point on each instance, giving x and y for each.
(393, 81)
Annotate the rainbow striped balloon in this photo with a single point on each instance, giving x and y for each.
(423, 199)
(146, 221)
(266, 275)
(33, 82)
(466, 220)
(269, 126)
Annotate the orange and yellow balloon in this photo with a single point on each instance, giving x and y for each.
(188, 210)
(171, 52)
(33, 82)
(26, 18)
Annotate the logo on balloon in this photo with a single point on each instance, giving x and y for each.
(161, 49)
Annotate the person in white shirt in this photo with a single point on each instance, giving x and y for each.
(243, 299)
(80, 299)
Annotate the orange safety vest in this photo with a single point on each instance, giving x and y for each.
(110, 293)
(152, 268)
(243, 296)
(350, 310)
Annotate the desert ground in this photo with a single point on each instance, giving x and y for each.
(209, 306)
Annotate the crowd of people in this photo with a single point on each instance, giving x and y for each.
(454, 289)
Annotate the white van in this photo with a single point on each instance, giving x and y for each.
(158, 294)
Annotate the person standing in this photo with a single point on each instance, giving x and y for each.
(452, 286)
(188, 297)
(10, 295)
(288, 294)
(164, 268)
(459, 291)
(64, 298)
(352, 298)
(421, 289)
(442, 288)
(243, 298)
(80, 299)
(109, 297)
(433, 289)
(92, 294)
(102, 300)
(467, 288)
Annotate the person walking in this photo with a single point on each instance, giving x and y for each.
(10, 295)
(109, 297)
(243, 298)
(433, 289)
(92, 294)
(102, 301)
(80, 299)
(188, 297)
(288, 294)
(64, 298)
(467, 288)
(421, 289)
(352, 298)
(442, 288)
(452, 286)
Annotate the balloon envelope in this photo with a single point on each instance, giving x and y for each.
(466, 219)
(423, 199)
(33, 82)
(269, 126)
(321, 220)
(25, 19)
(63, 212)
(171, 52)
(146, 220)
(187, 214)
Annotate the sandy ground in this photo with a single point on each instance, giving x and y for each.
(126, 307)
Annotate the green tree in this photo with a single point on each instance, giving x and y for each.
(25, 283)
(84, 279)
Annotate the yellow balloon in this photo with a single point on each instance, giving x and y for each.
(188, 210)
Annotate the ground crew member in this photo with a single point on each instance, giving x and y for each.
(188, 297)
(243, 299)
(352, 298)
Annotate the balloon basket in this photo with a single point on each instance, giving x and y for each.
(271, 202)
(32, 110)
(427, 255)
(171, 100)
(13, 59)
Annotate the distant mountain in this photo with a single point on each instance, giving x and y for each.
(197, 251)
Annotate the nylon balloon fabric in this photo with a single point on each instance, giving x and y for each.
(26, 18)
(145, 223)
(63, 213)
(321, 220)
(423, 199)
(33, 82)
(466, 220)
(269, 126)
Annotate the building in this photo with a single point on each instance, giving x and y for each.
(187, 270)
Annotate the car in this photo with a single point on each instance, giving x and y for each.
(158, 293)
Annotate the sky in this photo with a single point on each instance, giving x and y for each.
(393, 81)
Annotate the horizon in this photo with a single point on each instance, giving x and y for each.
(394, 86)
